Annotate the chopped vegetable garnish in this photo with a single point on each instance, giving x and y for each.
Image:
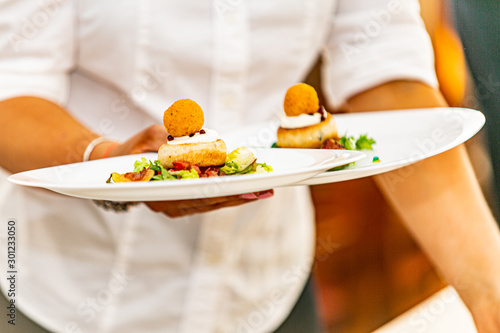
(376, 159)
(141, 164)
(362, 143)
(349, 142)
(239, 161)
(263, 167)
(240, 158)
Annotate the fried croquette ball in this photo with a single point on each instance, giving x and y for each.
(301, 98)
(184, 117)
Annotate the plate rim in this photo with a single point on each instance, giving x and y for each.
(325, 163)
(469, 130)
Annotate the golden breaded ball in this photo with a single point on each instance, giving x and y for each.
(301, 98)
(184, 117)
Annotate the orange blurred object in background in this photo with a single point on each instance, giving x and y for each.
(450, 63)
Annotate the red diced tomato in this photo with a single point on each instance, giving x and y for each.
(212, 173)
(179, 165)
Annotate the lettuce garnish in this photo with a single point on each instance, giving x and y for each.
(263, 167)
(160, 172)
(361, 143)
(351, 143)
(240, 161)
(185, 174)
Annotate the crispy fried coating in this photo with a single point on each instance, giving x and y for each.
(301, 98)
(308, 137)
(203, 154)
(183, 118)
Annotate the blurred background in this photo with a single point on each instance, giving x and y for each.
(368, 270)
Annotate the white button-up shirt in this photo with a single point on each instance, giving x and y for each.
(116, 66)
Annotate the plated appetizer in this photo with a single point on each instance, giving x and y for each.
(307, 124)
(191, 151)
(188, 141)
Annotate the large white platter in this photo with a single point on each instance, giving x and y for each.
(403, 137)
(88, 179)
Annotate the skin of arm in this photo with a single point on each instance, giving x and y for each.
(37, 133)
(441, 204)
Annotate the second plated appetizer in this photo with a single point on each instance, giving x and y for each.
(305, 124)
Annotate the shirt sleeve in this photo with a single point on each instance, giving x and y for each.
(374, 42)
(38, 52)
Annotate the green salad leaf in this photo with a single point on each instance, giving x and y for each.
(361, 143)
(240, 158)
(141, 164)
(351, 143)
(239, 161)
(364, 142)
(263, 167)
(185, 174)
(161, 172)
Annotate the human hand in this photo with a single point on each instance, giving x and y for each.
(180, 208)
(150, 140)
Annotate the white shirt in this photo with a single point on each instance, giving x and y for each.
(117, 65)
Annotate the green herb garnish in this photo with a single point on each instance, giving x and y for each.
(351, 143)
(361, 143)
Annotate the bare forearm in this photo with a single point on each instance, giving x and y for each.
(443, 207)
(394, 96)
(439, 199)
(37, 133)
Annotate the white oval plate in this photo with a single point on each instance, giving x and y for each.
(88, 179)
(402, 137)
